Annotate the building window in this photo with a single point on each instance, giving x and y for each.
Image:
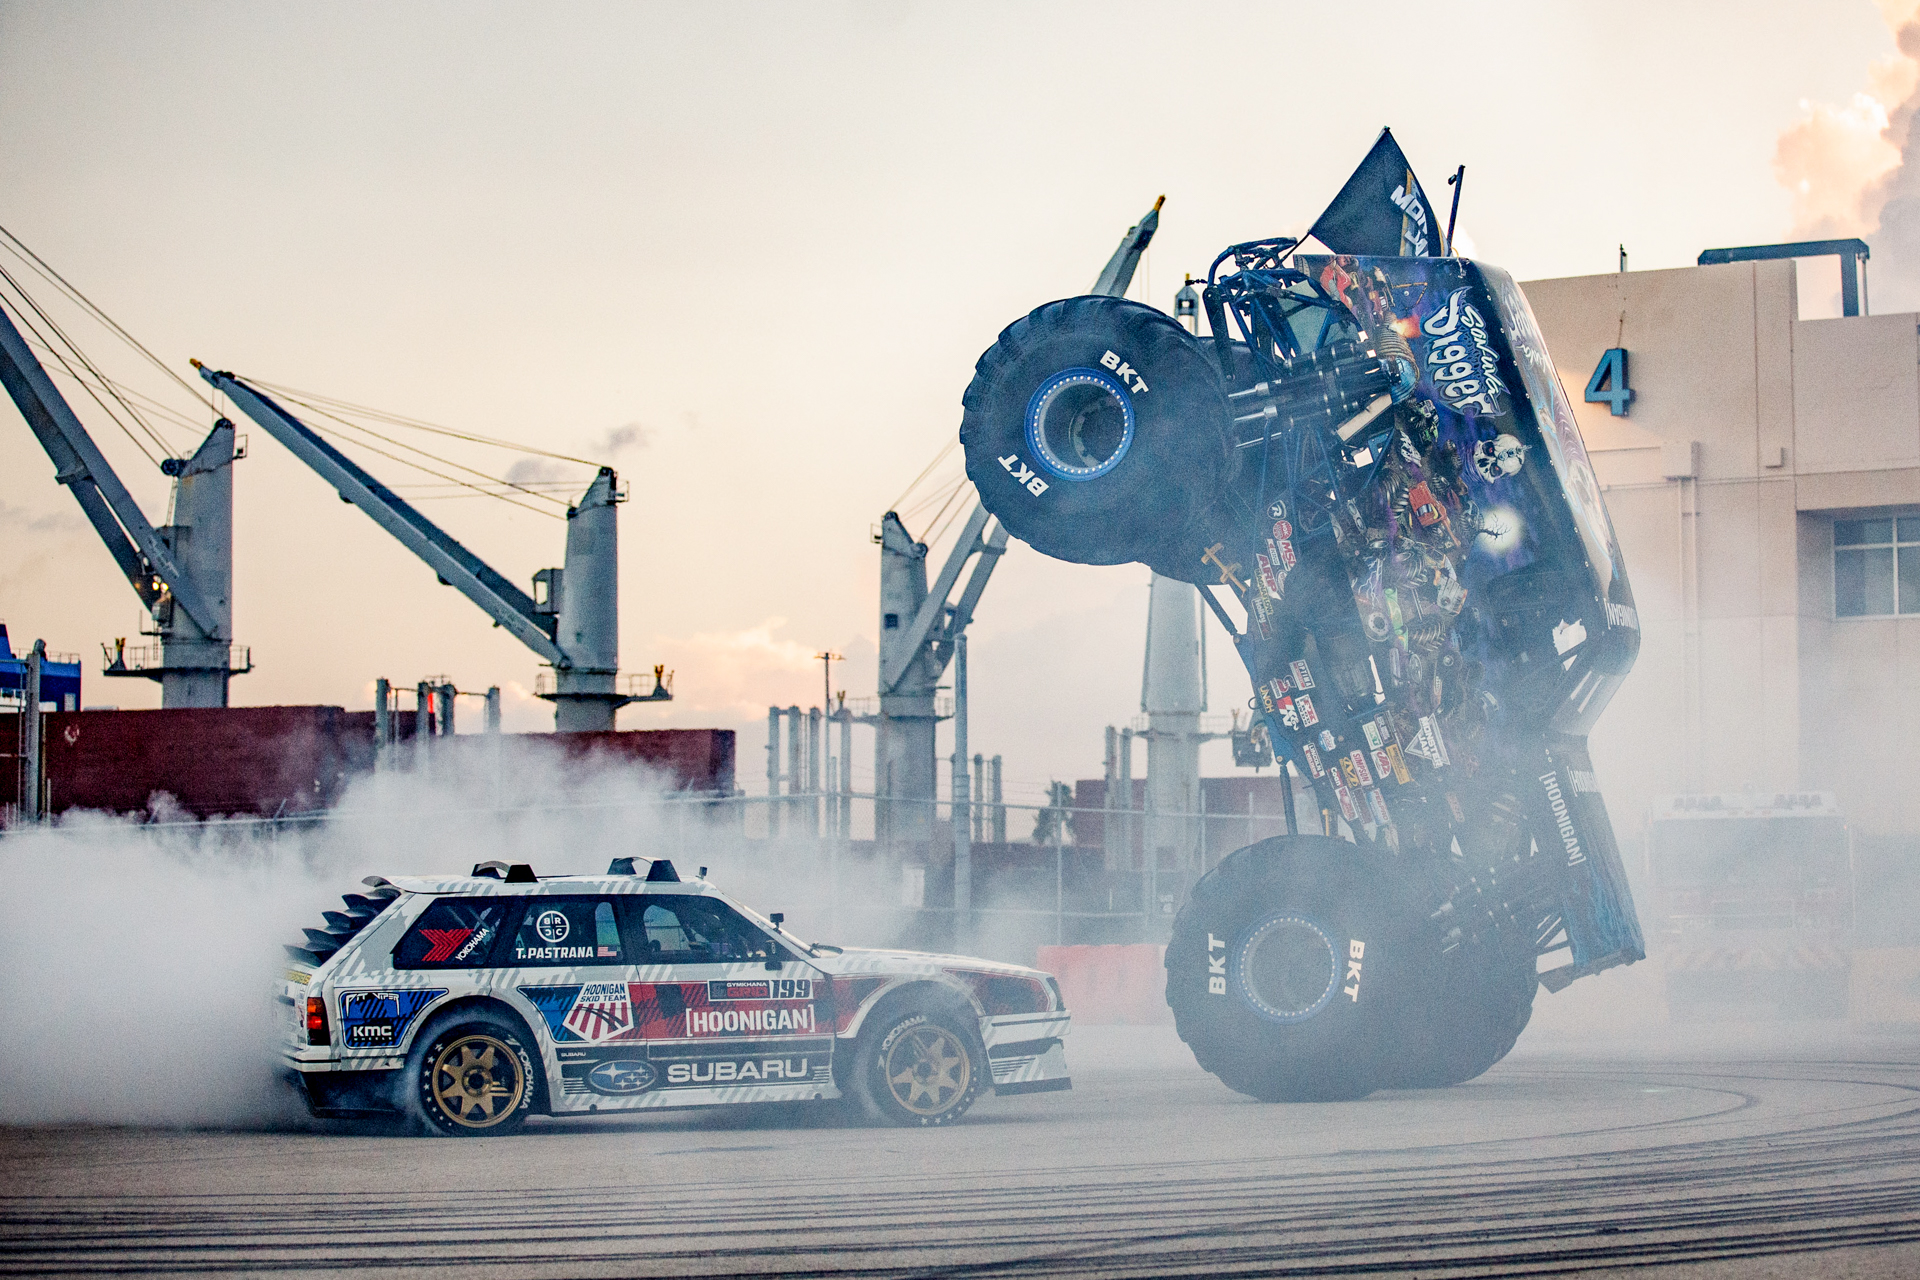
(1876, 567)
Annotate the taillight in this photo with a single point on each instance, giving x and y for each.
(317, 1032)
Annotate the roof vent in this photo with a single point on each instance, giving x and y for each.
(662, 870)
(621, 867)
(489, 870)
(521, 873)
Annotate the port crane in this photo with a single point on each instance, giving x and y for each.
(923, 631)
(182, 571)
(571, 619)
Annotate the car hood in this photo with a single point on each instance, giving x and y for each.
(870, 960)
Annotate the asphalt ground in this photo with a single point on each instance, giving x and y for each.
(1715, 1151)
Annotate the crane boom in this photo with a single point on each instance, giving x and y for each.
(79, 464)
(498, 598)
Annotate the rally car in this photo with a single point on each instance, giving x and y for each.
(469, 1003)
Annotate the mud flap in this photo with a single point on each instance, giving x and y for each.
(1571, 823)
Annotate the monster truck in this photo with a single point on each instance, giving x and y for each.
(1371, 471)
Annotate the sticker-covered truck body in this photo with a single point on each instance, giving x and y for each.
(1371, 472)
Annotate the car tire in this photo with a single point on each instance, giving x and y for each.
(471, 1077)
(921, 1067)
(1470, 1011)
(1096, 431)
(1289, 968)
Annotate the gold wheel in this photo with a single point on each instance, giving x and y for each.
(477, 1081)
(927, 1069)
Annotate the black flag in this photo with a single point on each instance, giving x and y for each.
(1381, 212)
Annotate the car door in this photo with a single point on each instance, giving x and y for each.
(569, 960)
(730, 1014)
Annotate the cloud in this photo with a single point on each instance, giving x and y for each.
(1851, 168)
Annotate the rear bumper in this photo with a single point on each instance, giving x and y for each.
(341, 1094)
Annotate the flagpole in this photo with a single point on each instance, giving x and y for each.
(1457, 181)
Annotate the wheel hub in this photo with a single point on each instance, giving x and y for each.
(1286, 968)
(1080, 424)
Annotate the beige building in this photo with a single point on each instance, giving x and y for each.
(1758, 484)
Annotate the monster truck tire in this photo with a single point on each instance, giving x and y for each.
(471, 1076)
(1289, 968)
(917, 1065)
(1096, 431)
(1468, 1011)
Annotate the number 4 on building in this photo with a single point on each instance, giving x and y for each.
(1608, 385)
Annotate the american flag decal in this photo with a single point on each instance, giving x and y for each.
(600, 1011)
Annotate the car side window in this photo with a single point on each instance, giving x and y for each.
(567, 931)
(677, 929)
(454, 933)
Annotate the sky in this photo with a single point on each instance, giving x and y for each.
(748, 253)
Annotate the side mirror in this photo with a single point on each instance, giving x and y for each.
(774, 963)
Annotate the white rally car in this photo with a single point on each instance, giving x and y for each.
(469, 1003)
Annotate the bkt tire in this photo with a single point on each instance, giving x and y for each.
(1471, 1007)
(1289, 968)
(919, 1068)
(471, 1078)
(1096, 431)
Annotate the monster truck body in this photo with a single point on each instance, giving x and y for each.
(1371, 471)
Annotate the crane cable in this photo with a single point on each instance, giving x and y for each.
(19, 249)
(101, 379)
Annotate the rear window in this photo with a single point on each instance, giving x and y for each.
(567, 931)
(454, 933)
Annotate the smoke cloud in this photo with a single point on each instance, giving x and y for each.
(1851, 169)
(142, 961)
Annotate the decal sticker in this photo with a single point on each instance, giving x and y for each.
(771, 989)
(1623, 615)
(1216, 966)
(1307, 715)
(1378, 804)
(294, 975)
(1453, 805)
(1268, 582)
(1326, 739)
(1288, 713)
(601, 1011)
(1372, 731)
(1460, 360)
(1358, 775)
(742, 1022)
(379, 1019)
(1356, 951)
(1313, 760)
(1278, 511)
(1399, 766)
(1425, 509)
(446, 941)
(739, 1071)
(1382, 765)
(622, 1076)
(1302, 678)
(1347, 808)
(1562, 819)
(1428, 744)
(1582, 780)
(552, 927)
(1499, 457)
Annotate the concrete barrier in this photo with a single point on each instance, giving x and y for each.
(1111, 985)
